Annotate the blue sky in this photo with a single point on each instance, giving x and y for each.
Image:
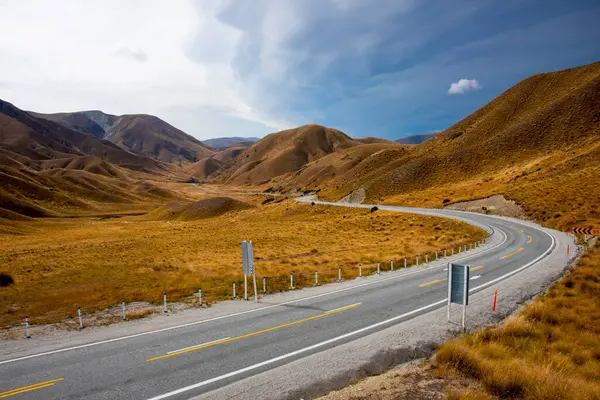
(247, 68)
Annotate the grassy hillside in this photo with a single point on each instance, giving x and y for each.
(285, 152)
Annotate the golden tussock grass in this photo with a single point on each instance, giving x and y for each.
(551, 350)
(59, 264)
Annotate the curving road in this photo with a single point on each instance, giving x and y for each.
(186, 361)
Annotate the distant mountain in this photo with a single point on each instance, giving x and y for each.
(47, 169)
(224, 142)
(140, 134)
(285, 152)
(416, 139)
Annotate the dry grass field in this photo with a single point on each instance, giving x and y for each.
(61, 263)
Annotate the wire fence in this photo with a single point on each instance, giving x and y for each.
(234, 289)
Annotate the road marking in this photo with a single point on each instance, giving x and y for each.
(530, 239)
(477, 268)
(274, 328)
(399, 276)
(198, 345)
(294, 353)
(432, 282)
(475, 277)
(29, 388)
(519, 229)
(512, 254)
(354, 333)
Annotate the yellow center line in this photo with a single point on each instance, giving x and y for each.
(29, 388)
(476, 268)
(530, 239)
(519, 229)
(432, 282)
(325, 314)
(513, 253)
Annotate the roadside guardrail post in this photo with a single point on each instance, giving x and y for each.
(417, 264)
(265, 284)
(234, 294)
(164, 302)
(27, 335)
(360, 270)
(200, 297)
(291, 281)
(339, 274)
(378, 270)
(391, 265)
(444, 253)
(123, 310)
(316, 278)
(404, 262)
(79, 316)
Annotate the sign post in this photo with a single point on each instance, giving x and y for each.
(458, 287)
(248, 267)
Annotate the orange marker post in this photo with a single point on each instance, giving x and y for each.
(495, 300)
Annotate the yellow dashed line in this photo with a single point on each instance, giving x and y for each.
(513, 253)
(432, 282)
(29, 388)
(255, 333)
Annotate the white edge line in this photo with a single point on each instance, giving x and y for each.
(198, 345)
(341, 308)
(82, 346)
(294, 353)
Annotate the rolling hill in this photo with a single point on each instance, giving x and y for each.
(47, 169)
(416, 139)
(225, 142)
(140, 134)
(285, 152)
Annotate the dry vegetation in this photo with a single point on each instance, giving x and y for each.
(59, 264)
(551, 350)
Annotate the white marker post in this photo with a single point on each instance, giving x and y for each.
(426, 258)
(417, 261)
(316, 278)
(378, 269)
(165, 302)
(339, 274)
(245, 287)
(27, 335)
(359, 270)
(436, 255)
(291, 281)
(234, 294)
(200, 297)
(444, 253)
(404, 262)
(465, 294)
(391, 265)
(449, 288)
(265, 285)
(79, 316)
(123, 310)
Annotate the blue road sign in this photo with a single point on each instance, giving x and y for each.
(460, 274)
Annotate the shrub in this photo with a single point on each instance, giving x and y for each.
(6, 280)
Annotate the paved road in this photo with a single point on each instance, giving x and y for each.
(191, 360)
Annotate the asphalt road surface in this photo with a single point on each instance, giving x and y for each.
(188, 361)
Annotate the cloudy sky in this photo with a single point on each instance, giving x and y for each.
(385, 68)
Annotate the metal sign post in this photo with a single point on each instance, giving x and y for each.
(458, 287)
(248, 268)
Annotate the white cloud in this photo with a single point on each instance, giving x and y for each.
(131, 53)
(54, 59)
(463, 86)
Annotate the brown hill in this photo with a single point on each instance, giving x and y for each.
(140, 134)
(285, 152)
(537, 143)
(47, 169)
(201, 209)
